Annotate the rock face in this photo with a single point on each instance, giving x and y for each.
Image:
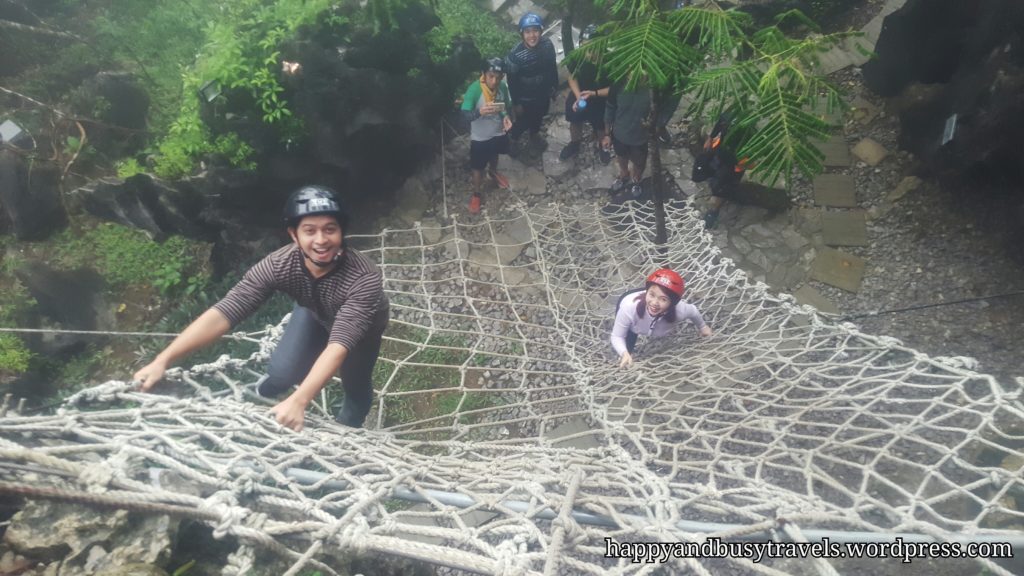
(31, 202)
(940, 59)
(372, 107)
(72, 300)
(145, 202)
(118, 100)
(91, 542)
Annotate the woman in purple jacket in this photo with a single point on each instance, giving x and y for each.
(654, 311)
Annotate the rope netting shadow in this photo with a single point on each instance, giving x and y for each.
(505, 439)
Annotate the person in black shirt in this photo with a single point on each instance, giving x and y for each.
(532, 77)
(585, 103)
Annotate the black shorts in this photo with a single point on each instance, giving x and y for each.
(593, 113)
(482, 152)
(635, 154)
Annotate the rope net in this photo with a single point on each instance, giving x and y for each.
(502, 422)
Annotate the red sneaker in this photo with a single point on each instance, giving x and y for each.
(474, 204)
(500, 180)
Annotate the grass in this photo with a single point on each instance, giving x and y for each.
(445, 355)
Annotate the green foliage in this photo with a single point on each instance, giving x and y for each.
(15, 304)
(241, 52)
(14, 356)
(129, 167)
(124, 257)
(464, 18)
(155, 39)
(765, 78)
(184, 568)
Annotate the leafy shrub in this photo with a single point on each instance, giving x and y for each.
(465, 18)
(14, 356)
(128, 167)
(124, 256)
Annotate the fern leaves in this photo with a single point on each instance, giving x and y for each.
(647, 52)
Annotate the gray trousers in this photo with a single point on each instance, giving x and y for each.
(304, 340)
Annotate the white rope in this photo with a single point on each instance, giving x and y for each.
(497, 389)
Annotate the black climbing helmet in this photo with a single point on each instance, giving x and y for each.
(588, 33)
(311, 201)
(494, 65)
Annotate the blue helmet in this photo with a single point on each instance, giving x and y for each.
(530, 20)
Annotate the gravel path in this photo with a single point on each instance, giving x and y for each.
(931, 246)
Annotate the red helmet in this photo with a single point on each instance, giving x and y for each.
(668, 280)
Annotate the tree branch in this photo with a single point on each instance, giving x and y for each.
(67, 116)
(36, 30)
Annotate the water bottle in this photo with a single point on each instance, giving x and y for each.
(581, 104)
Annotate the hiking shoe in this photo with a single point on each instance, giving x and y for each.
(474, 204)
(664, 137)
(635, 190)
(499, 180)
(605, 155)
(618, 185)
(571, 149)
(711, 219)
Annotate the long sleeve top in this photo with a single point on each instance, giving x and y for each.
(532, 72)
(626, 320)
(345, 301)
(483, 128)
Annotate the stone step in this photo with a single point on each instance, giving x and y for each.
(808, 295)
(846, 228)
(837, 152)
(839, 269)
(835, 190)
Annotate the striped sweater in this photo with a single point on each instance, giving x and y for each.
(345, 301)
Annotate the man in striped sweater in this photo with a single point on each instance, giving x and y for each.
(338, 321)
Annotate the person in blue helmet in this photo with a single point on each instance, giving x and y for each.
(338, 321)
(532, 78)
(585, 103)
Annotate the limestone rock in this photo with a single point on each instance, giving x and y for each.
(33, 204)
(411, 201)
(908, 184)
(90, 541)
(145, 202)
(870, 151)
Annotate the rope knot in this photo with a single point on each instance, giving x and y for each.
(508, 560)
(224, 505)
(354, 535)
(96, 476)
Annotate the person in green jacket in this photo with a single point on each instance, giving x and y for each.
(487, 106)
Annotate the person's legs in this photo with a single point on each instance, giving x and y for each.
(638, 161)
(638, 157)
(595, 113)
(303, 341)
(478, 158)
(519, 126)
(665, 111)
(711, 218)
(622, 158)
(357, 374)
(536, 114)
(492, 172)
